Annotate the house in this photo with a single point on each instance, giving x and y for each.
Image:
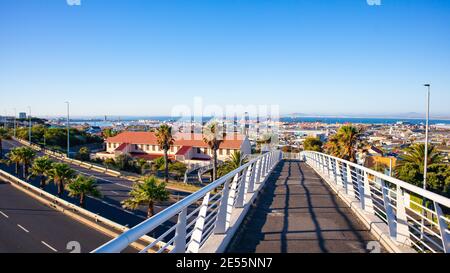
(187, 148)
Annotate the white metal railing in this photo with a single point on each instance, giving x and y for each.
(399, 204)
(189, 223)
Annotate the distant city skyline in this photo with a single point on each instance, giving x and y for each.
(142, 58)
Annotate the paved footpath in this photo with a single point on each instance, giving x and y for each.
(298, 213)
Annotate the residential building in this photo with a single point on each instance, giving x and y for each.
(187, 148)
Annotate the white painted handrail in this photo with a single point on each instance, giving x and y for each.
(193, 220)
(397, 203)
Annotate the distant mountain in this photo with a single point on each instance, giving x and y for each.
(408, 115)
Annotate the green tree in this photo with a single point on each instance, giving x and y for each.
(142, 164)
(348, 138)
(158, 164)
(165, 140)
(333, 146)
(415, 154)
(235, 161)
(82, 186)
(14, 157)
(312, 144)
(178, 169)
(410, 167)
(26, 156)
(213, 136)
(39, 168)
(123, 162)
(60, 173)
(149, 192)
(84, 154)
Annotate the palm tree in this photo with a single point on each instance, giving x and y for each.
(213, 136)
(40, 167)
(415, 154)
(348, 138)
(165, 140)
(235, 161)
(147, 193)
(82, 186)
(60, 173)
(332, 146)
(26, 156)
(14, 157)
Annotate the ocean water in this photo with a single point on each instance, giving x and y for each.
(328, 120)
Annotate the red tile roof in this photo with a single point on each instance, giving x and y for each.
(231, 141)
(149, 156)
(184, 150)
(121, 147)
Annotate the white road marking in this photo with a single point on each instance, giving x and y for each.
(24, 229)
(4, 214)
(49, 246)
(115, 192)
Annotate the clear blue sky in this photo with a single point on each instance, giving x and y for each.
(140, 57)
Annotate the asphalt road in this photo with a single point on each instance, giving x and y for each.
(113, 189)
(28, 226)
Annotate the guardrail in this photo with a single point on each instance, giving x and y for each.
(66, 204)
(64, 157)
(206, 216)
(410, 223)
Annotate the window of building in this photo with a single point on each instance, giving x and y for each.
(147, 148)
(220, 151)
(228, 151)
(171, 149)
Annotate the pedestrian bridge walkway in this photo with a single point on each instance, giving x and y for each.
(308, 202)
(297, 213)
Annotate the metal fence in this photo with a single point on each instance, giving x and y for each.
(191, 222)
(415, 217)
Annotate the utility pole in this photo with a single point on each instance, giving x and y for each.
(68, 131)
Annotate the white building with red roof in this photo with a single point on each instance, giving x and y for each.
(187, 148)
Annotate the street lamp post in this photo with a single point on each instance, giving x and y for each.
(15, 126)
(425, 161)
(68, 130)
(29, 124)
(426, 138)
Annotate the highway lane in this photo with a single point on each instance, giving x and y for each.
(113, 189)
(26, 225)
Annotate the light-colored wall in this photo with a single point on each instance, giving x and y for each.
(222, 154)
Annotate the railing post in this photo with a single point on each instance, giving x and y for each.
(389, 211)
(221, 223)
(443, 228)
(240, 200)
(339, 180)
(263, 164)
(251, 184)
(329, 167)
(258, 171)
(323, 163)
(402, 221)
(350, 190)
(196, 238)
(180, 233)
(368, 203)
(359, 180)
